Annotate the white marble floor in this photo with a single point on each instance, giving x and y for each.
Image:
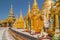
(2, 30)
(8, 35)
(4, 34)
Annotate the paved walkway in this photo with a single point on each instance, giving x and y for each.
(8, 35)
(2, 30)
(4, 34)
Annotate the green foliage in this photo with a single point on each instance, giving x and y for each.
(55, 37)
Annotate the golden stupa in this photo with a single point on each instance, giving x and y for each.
(19, 23)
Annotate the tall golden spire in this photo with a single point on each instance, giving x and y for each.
(21, 17)
(29, 9)
(11, 17)
(35, 8)
(21, 20)
(11, 12)
(20, 13)
(35, 3)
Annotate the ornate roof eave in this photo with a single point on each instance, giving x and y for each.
(56, 10)
(35, 6)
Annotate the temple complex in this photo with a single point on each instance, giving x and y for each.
(36, 20)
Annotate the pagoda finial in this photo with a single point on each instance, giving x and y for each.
(11, 11)
(29, 7)
(21, 14)
(11, 8)
(35, 2)
(11, 5)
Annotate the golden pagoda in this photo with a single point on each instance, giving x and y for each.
(28, 18)
(21, 21)
(16, 23)
(35, 8)
(11, 17)
(34, 17)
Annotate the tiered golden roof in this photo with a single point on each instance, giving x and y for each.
(11, 17)
(35, 8)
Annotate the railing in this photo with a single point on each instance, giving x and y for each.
(26, 36)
